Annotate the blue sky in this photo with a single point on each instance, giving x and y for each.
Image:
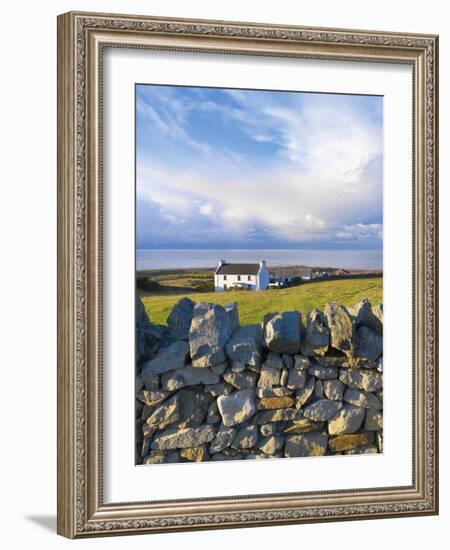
(218, 168)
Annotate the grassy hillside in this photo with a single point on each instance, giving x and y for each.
(253, 305)
(176, 281)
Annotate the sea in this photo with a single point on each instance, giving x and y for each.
(189, 258)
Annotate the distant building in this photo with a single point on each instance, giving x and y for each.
(286, 276)
(245, 276)
(279, 281)
(305, 273)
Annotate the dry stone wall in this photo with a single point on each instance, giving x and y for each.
(208, 388)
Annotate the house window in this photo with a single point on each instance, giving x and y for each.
(249, 278)
(224, 286)
(224, 277)
(239, 277)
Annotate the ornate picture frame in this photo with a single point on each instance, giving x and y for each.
(82, 38)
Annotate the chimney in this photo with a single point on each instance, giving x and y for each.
(221, 263)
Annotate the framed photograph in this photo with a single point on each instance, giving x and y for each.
(247, 274)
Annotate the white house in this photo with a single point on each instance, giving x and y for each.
(245, 276)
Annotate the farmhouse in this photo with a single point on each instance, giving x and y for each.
(245, 276)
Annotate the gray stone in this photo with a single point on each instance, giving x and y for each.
(301, 362)
(283, 402)
(150, 380)
(302, 396)
(241, 380)
(366, 450)
(324, 373)
(246, 345)
(255, 454)
(379, 439)
(342, 329)
(374, 420)
(297, 379)
(271, 444)
(347, 421)
(246, 437)
(308, 444)
(194, 405)
(147, 431)
(363, 379)
(288, 361)
(273, 392)
(333, 389)
(254, 368)
(139, 383)
(370, 344)
(360, 363)
(187, 409)
(146, 412)
(223, 439)
(213, 415)
(380, 364)
(318, 389)
(348, 442)
(211, 328)
(332, 361)
(187, 376)
(361, 398)
(195, 454)
(364, 316)
(282, 333)
(267, 317)
(284, 376)
(303, 425)
(174, 438)
(274, 361)
(220, 368)
(172, 358)
(322, 410)
(146, 443)
(277, 415)
(237, 407)
(141, 314)
(267, 429)
(237, 366)
(180, 318)
(233, 314)
(158, 457)
(378, 312)
(154, 397)
(227, 455)
(269, 377)
(139, 407)
(317, 336)
(150, 338)
(219, 389)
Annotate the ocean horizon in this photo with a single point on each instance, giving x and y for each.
(193, 258)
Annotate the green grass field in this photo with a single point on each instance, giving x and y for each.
(254, 305)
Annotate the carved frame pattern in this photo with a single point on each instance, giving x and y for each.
(81, 37)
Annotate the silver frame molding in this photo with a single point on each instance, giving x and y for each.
(81, 38)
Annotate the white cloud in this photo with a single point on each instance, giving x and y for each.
(171, 127)
(325, 182)
(206, 208)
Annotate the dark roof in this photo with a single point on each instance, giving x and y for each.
(238, 269)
